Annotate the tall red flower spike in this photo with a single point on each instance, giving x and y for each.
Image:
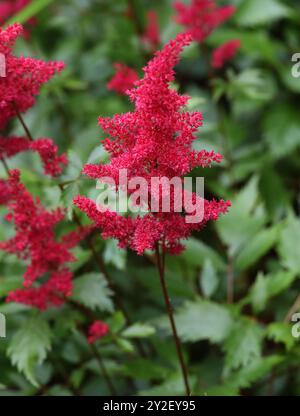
(23, 79)
(155, 140)
(224, 53)
(123, 80)
(46, 148)
(201, 17)
(35, 242)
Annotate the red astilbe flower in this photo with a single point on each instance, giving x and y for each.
(123, 80)
(151, 37)
(24, 77)
(35, 242)
(46, 148)
(224, 53)
(155, 140)
(97, 330)
(201, 17)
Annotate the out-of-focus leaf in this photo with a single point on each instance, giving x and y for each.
(201, 319)
(29, 346)
(243, 344)
(268, 286)
(92, 291)
(255, 12)
(288, 246)
(259, 245)
(208, 280)
(138, 330)
(281, 332)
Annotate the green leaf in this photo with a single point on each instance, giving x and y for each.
(244, 219)
(254, 372)
(112, 254)
(265, 287)
(288, 246)
(9, 283)
(257, 12)
(282, 130)
(29, 11)
(197, 252)
(243, 344)
(29, 347)
(92, 291)
(201, 320)
(281, 332)
(257, 247)
(208, 279)
(138, 330)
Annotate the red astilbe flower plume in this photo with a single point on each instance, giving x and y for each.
(224, 53)
(151, 37)
(201, 17)
(24, 77)
(35, 242)
(97, 330)
(155, 140)
(123, 80)
(46, 148)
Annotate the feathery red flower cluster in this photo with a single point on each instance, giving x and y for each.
(151, 37)
(97, 330)
(224, 53)
(35, 242)
(153, 141)
(123, 80)
(24, 77)
(48, 151)
(201, 17)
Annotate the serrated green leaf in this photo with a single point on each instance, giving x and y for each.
(29, 346)
(92, 291)
(202, 319)
(281, 332)
(243, 344)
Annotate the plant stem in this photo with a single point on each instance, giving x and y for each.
(5, 165)
(20, 118)
(103, 370)
(161, 269)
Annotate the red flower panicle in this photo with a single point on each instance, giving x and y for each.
(155, 140)
(224, 53)
(53, 163)
(97, 330)
(35, 242)
(24, 77)
(123, 80)
(151, 37)
(201, 17)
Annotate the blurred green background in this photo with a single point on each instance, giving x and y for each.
(236, 286)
